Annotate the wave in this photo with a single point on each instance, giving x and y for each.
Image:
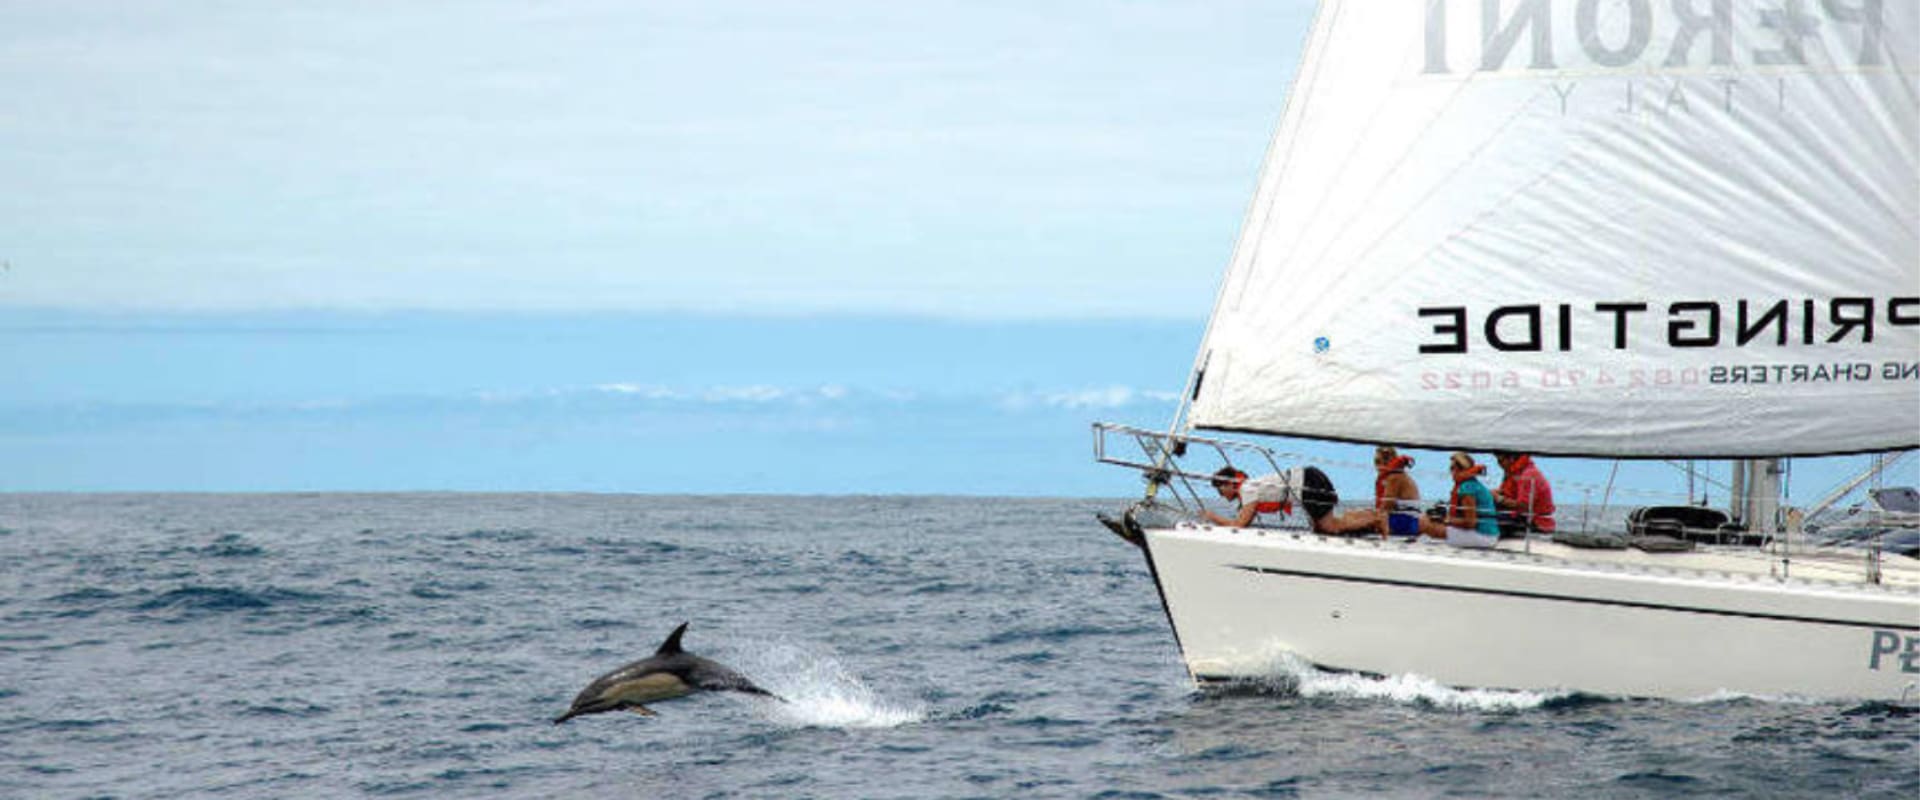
(231, 545)
(1724, 696)
(442, 590)
(86, 594)
(496, 535)
(287, 707)
(654, 546)
(192, 600)
(1293, 675)
(1883, 709)
(980, 711)
(1061, 633)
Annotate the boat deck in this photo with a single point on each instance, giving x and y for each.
(1836, 566)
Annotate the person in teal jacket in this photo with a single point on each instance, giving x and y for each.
(1471, 518)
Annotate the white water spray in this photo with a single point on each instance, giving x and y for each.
(1309, 681)
(1726, 696)
(820, 691)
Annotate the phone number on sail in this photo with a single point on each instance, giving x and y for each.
(1477, 380)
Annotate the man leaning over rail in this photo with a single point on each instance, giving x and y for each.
(1278, 493)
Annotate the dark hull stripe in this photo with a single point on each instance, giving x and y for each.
(1905, 626)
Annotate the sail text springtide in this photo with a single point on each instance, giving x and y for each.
(1687, 324)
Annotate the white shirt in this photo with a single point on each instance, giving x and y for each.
(1276, 488)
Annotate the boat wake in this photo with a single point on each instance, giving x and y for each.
(1727, 696)
(1293, 675)
(821, 692)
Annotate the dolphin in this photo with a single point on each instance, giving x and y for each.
(669, 673)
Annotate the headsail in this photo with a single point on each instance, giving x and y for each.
(1600, 227)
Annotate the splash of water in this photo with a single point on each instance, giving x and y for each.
(1729, 696)
(821, 692)
(1295, 674)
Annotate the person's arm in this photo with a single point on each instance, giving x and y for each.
(1521, 503)
(1432, 527)
(1466, 514)
(1524, 502)
(1247, 512)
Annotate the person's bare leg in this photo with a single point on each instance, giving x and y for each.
(1359, 520)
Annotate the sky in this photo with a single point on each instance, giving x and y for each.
(977, 159)
(691, 247)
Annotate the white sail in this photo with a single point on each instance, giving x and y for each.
(1600, 227)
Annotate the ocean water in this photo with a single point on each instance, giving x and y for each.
(418, 645)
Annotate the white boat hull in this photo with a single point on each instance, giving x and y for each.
(1677, 626)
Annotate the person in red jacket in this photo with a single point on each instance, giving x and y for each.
(1524, 497)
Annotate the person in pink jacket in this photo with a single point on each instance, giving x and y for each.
(1525, 498)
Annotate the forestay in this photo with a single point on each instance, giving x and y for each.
(1626, 228)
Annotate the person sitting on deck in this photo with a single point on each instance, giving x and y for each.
(1396, 498)
(1277, 493)
(1524, 498)
(1470, 520)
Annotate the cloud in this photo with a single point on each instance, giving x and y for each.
(746, 394)
(1085, 399)
(647, 392)
(1103, 398)
(824, 406)
(719, 394)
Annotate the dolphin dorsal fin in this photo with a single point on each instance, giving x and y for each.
(672, 644)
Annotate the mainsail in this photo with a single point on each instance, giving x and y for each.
(1630, 228)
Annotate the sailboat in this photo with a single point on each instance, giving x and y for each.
(1615, 230)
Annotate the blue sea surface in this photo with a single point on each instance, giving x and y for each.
(419, 645)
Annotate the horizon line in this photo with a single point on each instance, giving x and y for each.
(453, 312)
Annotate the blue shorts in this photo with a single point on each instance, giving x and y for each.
(1403, 523)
